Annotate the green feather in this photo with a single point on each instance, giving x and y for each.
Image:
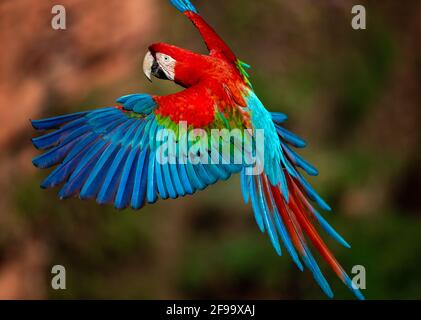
(243, 67)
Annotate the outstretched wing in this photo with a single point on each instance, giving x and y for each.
(216, 46)
(115, 154)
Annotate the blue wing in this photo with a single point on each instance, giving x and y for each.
(111, 154)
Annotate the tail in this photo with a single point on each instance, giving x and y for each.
(289, 215)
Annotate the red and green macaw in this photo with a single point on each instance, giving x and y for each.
(110, 154)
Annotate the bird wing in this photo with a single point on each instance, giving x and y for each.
(216, 46)
(111, 154)
(213, 41)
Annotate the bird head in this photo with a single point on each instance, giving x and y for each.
(169, 62)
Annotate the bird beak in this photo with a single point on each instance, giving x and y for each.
(152, 68)
(147, 65)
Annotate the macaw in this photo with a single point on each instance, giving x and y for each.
(110, 154)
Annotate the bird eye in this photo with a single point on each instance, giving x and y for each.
(166, 58)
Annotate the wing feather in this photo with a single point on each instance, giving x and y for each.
(112, 154)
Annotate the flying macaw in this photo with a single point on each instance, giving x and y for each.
(110, 154)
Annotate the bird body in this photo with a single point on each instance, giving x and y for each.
(116, 154)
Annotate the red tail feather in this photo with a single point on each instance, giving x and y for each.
(280, 204)
(297, 210)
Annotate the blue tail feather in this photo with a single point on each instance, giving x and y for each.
(290, 137)
(299, 161)
(258, 215)
(286, 240)
(278, 117)
(267, 219)
(329, 230)
(245, 186)
(317, 273)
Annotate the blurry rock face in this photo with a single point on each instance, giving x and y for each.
(22, 275)
(99, 45)
(36, 62)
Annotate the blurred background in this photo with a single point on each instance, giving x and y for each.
(353, 95)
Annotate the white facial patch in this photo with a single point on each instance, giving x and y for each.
(167, 65)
